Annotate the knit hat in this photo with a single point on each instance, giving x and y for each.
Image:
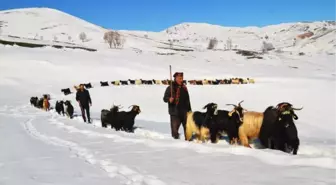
(178, 74)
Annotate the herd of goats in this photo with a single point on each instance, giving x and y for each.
(67, 91)
(274, 127)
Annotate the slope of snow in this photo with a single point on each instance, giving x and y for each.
(49, 24)
(46, 23)
(43, 147)
(281, 36)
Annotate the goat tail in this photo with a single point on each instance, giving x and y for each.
(191, 126)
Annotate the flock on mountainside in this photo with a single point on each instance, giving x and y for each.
(235, 81)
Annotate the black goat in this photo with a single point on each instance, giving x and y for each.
(278, 130)
(147, 82)
(103, 84)
(69, 110)
(40, 103)
(198, 123)
(215, 82)
(123, 82)
(88, 86)
(109, 117)
(126, 119)
(66, 91)
(59, 107)
(228, 122)
(33, 101)
(131, 81)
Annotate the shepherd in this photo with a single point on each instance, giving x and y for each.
(84, 100)
(177, 97)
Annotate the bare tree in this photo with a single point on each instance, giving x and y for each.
(212, 43)
(69, 38)
(114, 39)
(82, 36)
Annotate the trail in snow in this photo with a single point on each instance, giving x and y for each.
(24, 160)
(102, 147)
(114, 170)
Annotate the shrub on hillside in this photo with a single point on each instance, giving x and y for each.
(82, 36)
(266, 47)
(114, 39)
(212, 43)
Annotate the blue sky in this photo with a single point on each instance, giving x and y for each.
(157, 15)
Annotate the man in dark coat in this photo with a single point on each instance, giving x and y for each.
(178, 104)
(84, 100)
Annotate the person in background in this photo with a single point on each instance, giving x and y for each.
(46, 104)
(84, 100)
(178, 104)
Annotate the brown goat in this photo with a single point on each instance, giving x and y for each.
(251, 127)
(235, 81)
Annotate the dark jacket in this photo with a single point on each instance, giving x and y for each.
(184, 103)
(83, 97)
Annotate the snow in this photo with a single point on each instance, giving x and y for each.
(45, 148)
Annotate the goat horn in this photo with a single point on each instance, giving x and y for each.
(297, 108)
(206, 106)
(132, 106)
(240, 103)
(232, 105)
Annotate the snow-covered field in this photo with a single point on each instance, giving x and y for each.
(44, 148)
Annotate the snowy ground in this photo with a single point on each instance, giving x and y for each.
(44, 148)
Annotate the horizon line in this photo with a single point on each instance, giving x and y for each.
(185, 22)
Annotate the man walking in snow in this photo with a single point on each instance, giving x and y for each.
(84, 100)
(178, 104)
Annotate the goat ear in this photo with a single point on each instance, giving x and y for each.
(230, 113)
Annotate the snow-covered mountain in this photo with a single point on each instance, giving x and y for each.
(46, 23)
(281, 36)
(50, 24)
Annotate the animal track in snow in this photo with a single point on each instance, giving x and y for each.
(127, 175)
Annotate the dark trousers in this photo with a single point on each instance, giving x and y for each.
(87, 110)
(175, 123)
